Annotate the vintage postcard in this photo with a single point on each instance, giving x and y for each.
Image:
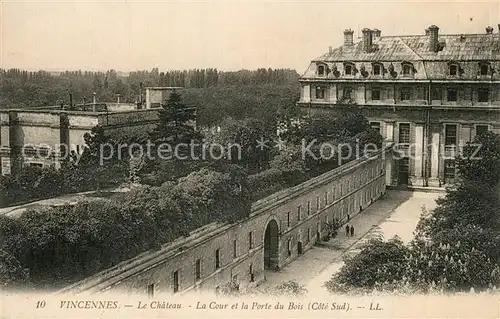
(249, 159)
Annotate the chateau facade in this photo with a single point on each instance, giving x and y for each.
(429, 93)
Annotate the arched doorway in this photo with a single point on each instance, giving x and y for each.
(271, 253)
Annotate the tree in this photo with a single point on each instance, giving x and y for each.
(11, 271)
(175, 121)
(377, 262)
(246, 142)
(290, 162)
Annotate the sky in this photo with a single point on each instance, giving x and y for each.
(228, 35)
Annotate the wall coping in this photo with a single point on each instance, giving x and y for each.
(146, 260)
(72, 112)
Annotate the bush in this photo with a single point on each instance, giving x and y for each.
(377, 262)
(67, 243)
(290, 289)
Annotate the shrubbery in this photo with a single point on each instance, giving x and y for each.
(62, 244)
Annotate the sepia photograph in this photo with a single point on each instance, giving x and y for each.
(249, 159)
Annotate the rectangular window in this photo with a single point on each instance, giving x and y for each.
(405, 94)
(449, 169)
(377, 69)
(450, 134)
(288, 219)
(320, 92)
(308, 207)
(235, 248)
(347, 93)
(481, 129)
(151, 290)
(404, 133)
(321, 70)
(484, 69)
(250, 240)
(375, 126)
(289, 247)
(483, 95)
(217, 258)
(333, 194)
(326, 198)
(176, 281)
(453, 70)
(308, 234)
(298, 212)
(452, 95)
(436, 93)
(348, 69)
(317, 203)
(376, 94)
(197, 269)
(406, 69)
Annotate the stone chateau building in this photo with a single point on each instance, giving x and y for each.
(429, 93)
(41, 136)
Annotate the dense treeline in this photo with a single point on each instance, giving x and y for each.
(34, 89)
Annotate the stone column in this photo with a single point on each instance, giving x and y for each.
(434, 178)
(417, 149)
(388, 169)
(332, 96)
(306, 93)
(389, 131)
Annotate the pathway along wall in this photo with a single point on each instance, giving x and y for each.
(280, 227)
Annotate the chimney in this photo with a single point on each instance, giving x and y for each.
(433, 38)
(330, 50)
(376, 33)
(367, 40)
(348, 37)
(489, 30)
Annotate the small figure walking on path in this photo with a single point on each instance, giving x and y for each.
(347, 230)
(352, 230)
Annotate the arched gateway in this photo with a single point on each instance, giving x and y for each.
(271, 246)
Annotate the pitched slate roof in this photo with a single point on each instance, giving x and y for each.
(467, 47)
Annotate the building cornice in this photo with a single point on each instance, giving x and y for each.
(397, 107)
(406, 80)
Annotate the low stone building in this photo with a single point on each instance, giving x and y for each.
(429, 93)
(34, 136)
(279, 229)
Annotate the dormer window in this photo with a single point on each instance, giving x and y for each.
(453, 70)
(407, 69)
(321, 70)
(377, 69)
(349, 69)
(484, 68)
